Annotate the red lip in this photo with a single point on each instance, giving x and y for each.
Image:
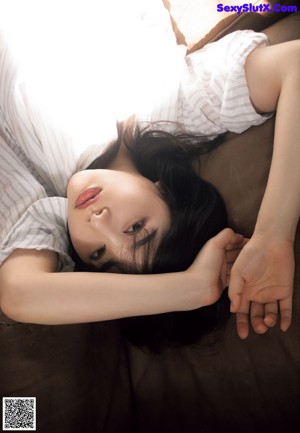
(88, 197)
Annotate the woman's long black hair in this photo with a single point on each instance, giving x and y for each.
(197, 214)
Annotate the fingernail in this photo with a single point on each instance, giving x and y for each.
(269, 324)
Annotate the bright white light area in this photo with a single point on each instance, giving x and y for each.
(86, 63)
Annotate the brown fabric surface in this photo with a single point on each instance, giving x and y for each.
(77, 373)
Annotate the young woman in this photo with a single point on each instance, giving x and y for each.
(249, 78)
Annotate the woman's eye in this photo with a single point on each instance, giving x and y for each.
(136, 227)
(98, 254)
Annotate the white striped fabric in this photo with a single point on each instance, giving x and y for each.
(212, 96)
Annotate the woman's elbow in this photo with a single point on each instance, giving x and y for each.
(21, 277)
(11, 299)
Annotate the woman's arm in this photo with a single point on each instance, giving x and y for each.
(265, 269)
(273, 76)
(31, 291)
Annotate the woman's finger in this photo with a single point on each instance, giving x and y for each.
(232, 255)
(239, 244)
(271, 314)
(227, 237)
(242, 319)
(285, 307)
(257, 315)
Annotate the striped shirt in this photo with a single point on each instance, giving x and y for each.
(212, 96)
(37, 160)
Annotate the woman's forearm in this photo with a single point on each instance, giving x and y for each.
(280, 208)
(64, 298)
(31, 291)
(45, 297)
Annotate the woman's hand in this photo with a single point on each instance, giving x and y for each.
(210, 271)
(263, 273)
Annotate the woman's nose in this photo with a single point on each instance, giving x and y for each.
(99, 217)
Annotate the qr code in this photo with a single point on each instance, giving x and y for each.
(19, 413)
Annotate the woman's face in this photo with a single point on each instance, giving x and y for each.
(113, 215)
